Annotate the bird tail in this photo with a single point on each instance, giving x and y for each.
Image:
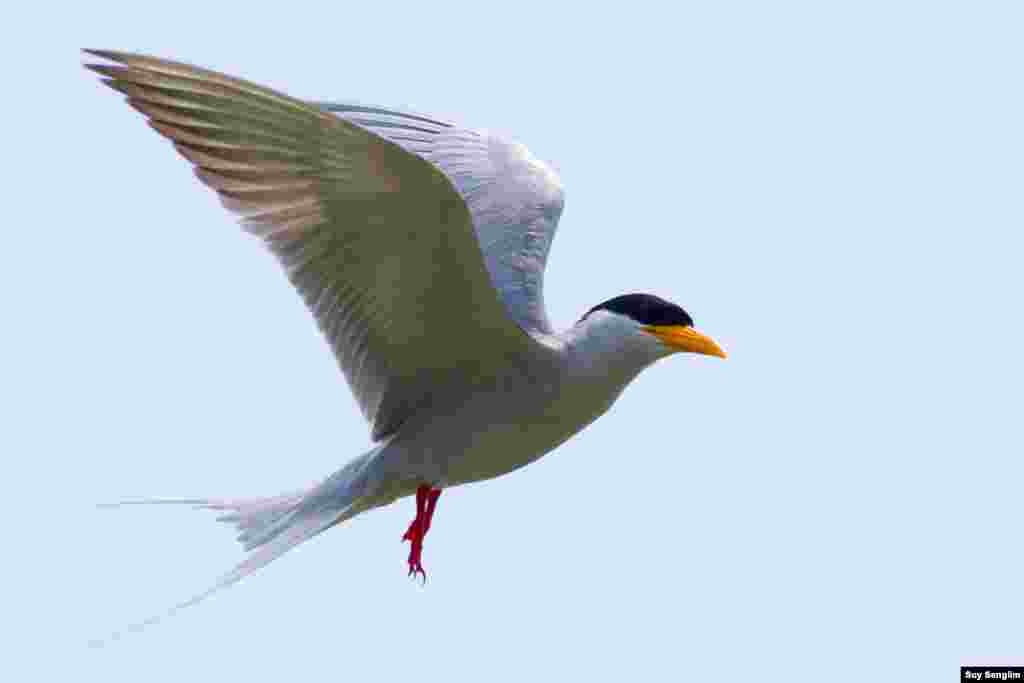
(254, 518)
(268, 527)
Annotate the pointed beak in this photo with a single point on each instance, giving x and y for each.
(680, 338)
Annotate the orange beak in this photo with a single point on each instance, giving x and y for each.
(680, 338)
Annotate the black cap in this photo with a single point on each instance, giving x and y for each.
(646, 309)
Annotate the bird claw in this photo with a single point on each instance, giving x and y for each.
(416, 570)
(415, 538)
(426, 499)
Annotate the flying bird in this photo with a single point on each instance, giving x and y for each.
(419, 247)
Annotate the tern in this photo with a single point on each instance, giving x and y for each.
(419, 247)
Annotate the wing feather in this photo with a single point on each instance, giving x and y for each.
(514, 199)
(376, 239)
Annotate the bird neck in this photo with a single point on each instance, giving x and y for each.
(610, 348)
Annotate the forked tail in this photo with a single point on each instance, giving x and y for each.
(268, 527)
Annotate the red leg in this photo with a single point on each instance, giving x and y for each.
(421, 506)
(426, 501)
(431, 504)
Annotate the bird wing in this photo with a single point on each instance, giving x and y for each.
(515, 199)
(377, 241)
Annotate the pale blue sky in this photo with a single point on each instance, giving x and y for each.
(833, 190)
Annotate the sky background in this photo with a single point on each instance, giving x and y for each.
(833, 190)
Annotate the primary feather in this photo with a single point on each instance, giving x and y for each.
(376, 238)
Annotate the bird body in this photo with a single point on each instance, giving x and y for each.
(420, 248)
(510, 420)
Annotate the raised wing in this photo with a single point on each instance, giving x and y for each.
(515, 199)
(377, 240)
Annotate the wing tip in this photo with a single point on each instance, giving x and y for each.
(96, 52)
(110, 71)
(106, 55)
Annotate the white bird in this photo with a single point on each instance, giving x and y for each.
(420, 248)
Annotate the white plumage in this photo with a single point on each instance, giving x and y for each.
(420, 249)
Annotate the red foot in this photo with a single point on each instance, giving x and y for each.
(426, 501)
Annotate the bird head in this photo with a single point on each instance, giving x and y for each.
(653, 324)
